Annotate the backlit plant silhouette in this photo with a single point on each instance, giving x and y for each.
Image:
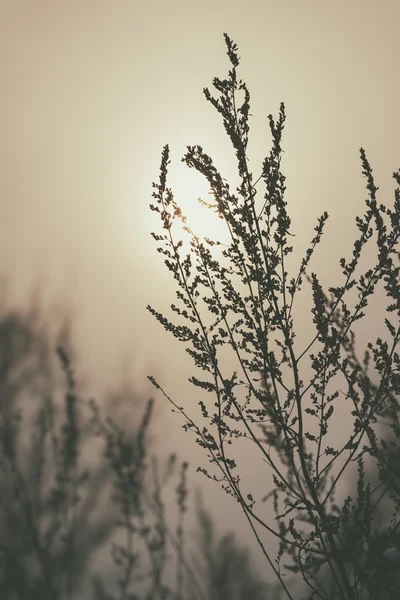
(283, 395)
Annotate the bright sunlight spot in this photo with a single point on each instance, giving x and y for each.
(187, 186)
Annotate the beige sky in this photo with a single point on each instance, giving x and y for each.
(92, 89)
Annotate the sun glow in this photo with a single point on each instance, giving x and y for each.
(188, 186)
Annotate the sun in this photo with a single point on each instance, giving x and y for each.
(188, 186)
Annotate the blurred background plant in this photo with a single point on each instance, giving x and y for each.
(83, 510)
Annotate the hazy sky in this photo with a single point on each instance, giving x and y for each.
(92, 90)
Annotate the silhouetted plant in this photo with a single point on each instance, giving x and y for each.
(281, 396)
